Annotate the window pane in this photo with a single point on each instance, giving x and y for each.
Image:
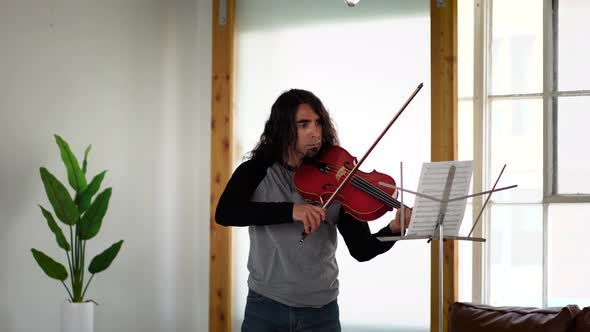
(465, 26)
(465, 131)
(377, 293)
(517, 46)
(568, 256)
(573, 52)
(517, 141)
(465, 134)
(516, 255)
(465, 47)
(572, 163)
(466, 258)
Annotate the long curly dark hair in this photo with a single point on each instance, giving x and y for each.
(280, 131)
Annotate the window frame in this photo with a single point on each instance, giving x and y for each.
(551, 93)
(482, 98)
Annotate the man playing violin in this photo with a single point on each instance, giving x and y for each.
(293, 287)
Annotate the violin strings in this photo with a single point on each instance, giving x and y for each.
(392, 201)
(368, 187)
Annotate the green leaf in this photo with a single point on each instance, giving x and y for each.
(103, 260)
(75, 176)
(85, 162)
(86, 196)
(59, 197)
(59, 235)
(92, 219)
(52, 268)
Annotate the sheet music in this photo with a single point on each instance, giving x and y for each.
(433, 179)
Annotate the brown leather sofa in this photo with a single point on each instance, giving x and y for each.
(469, 317)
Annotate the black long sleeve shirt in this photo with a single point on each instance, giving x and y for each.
(235, 208)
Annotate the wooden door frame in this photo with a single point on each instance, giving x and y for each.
(443, 141)
(222, 96)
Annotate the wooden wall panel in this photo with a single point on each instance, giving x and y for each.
(222, 79)
(443, 52)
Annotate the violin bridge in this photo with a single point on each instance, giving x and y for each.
(341, 172)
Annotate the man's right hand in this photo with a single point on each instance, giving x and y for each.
(310, 215)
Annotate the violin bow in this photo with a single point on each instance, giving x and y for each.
(360, 162)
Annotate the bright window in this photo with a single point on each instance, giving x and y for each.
(363, 62)
(534, 97)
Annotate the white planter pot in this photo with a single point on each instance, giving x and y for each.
(77, 317)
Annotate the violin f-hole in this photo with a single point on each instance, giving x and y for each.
(328, 186)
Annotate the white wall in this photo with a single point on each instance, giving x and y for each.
(131, 77)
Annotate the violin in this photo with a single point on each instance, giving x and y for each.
(366, 197)
(334, 175)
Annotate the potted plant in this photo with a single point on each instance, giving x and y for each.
(83, 215)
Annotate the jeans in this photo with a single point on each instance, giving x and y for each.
(265, 315)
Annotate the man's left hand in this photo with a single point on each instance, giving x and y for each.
(395, 224)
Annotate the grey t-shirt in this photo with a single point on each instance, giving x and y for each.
(296, 275)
